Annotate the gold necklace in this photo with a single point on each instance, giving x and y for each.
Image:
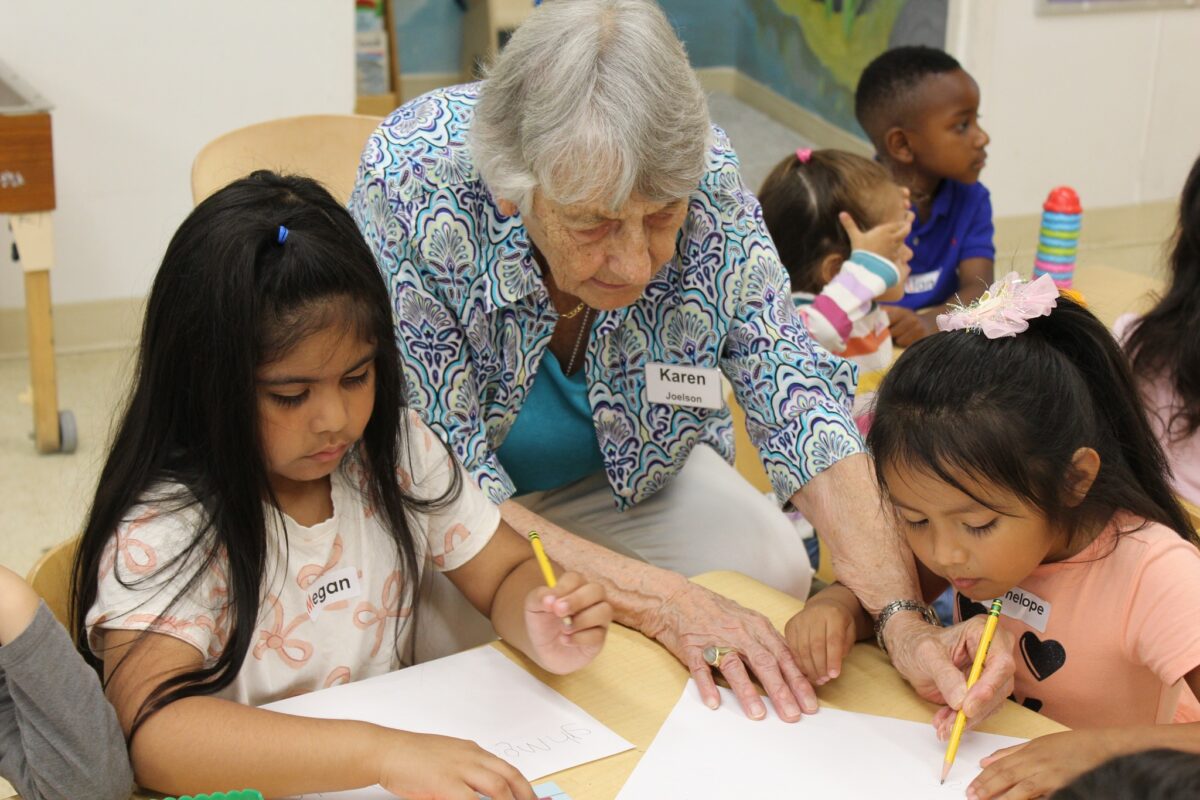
(579, 337)
(574, 312)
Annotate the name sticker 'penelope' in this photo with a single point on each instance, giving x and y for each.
(1025, 606)
(674, 385)
(332, 587)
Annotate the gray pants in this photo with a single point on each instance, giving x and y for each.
(707, 518)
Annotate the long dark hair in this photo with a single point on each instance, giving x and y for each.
(1163, 343)
(1012, 412)
(229, 297)
(800, 203)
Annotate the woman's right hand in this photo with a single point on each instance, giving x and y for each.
(934, 660)
(422, 766)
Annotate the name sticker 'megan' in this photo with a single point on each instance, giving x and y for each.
(671, 384)
(332, 587)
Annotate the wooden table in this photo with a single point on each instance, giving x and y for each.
(1111, 292)
(633, 685)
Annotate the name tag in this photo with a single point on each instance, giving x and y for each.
(921, 282)
(1025, 606)
(332, 587)
(673, 385)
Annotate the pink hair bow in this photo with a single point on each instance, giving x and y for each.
(1005, 308)
(804, 154)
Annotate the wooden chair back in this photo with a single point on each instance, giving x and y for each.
(50, 577)
(325, 147)
(1192, 511)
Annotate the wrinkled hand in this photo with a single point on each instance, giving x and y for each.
(1039, 767)
(907, 326)
(423, 766)
(934, 660)
(694, 618)
(886, 239)
(561, 648)
(821, 635)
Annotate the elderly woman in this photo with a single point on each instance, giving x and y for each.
(574, 264)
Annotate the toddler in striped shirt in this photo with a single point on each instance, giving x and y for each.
(839, 223)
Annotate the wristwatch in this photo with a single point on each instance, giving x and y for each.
(902, 605)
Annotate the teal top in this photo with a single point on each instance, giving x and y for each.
(553, 440)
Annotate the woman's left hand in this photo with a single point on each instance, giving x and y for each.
(558, 646)
(694, 618)
(1039, 767)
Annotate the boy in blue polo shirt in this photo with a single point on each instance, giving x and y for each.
(921, 111)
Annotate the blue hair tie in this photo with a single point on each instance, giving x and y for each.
(283, 233)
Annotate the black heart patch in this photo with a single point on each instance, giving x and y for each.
(1032, 703)
(1043, 658)
(968, 608)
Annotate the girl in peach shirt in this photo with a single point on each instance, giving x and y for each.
(1019, 464)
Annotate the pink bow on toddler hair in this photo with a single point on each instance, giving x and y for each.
(804, 154)
(1005, 308)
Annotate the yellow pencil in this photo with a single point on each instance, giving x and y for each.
(960, 722)
(547, 571)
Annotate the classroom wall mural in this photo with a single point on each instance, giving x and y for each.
(810, 51)
(708, 29)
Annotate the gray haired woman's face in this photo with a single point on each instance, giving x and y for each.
(605, 257)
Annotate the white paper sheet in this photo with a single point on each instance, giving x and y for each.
(478, 695)
(704, 753)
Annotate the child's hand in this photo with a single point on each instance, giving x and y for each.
(907, 326)
(18, 605)
(894, 294)
(886, 239)
(557, 646)
(424, 765)
(1039, 767)
(821, 635)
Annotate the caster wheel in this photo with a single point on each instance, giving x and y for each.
(68, 435)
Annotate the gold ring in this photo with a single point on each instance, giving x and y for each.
(713, 655)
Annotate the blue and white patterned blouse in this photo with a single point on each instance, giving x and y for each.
(473, 318)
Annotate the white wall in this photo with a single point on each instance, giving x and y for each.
(1103, 102)
(138, 89)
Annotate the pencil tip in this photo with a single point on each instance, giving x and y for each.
(945, 772)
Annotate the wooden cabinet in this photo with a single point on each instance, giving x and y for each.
(27, 196)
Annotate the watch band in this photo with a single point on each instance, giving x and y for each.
(902, 605)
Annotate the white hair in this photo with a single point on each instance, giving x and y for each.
(591, 101)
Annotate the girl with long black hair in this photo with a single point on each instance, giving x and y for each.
(266, 511)
(1164, 347)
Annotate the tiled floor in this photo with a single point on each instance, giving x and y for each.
(45, 498)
